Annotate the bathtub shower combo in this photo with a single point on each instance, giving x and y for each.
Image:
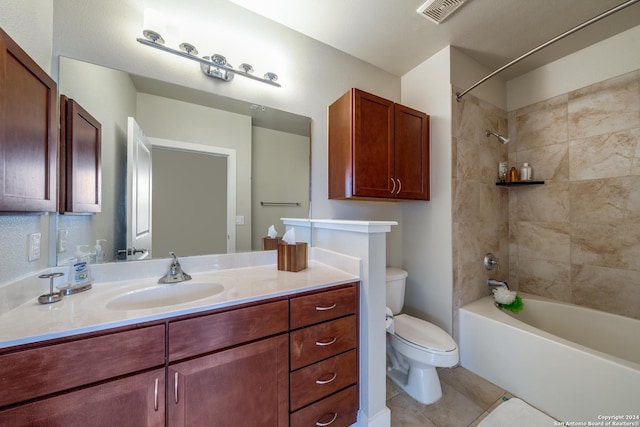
(574, 363)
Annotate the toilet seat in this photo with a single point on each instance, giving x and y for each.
(422, 334)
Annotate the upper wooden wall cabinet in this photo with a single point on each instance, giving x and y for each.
(80, 151)
(377, 149)
(28, 132)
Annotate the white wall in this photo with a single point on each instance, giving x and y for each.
(609, 58)
(466, 72)
(30, 24)
(426, 237)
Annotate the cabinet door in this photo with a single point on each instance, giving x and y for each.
(411, 153)
(80, 159)
(243, 386)
(372, 146)
(136, 401)
(28, 132)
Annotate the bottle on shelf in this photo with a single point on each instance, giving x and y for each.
(513, 174)
(526, 174)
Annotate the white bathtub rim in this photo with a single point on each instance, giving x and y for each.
(498, 316)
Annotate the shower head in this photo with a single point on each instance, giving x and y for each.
(501, 138)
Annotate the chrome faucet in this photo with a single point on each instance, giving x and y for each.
(175, 273)
(497, 283)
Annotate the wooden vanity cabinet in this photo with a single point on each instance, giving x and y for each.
(324, 358)
(133, 401)
(377, 149)
(28, 132)
(100, 380)
(236, 371)
(289, 361)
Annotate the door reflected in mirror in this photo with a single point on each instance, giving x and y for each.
(272, 151)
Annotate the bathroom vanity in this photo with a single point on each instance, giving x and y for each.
(275, 348)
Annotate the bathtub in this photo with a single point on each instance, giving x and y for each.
(574, 363)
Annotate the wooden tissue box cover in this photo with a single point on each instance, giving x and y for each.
(292, 257)
(270, 243)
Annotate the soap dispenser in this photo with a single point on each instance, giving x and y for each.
(98, 253)
(80, 278)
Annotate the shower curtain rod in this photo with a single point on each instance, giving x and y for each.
(459, 95)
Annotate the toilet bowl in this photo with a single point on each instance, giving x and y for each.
(415, 347)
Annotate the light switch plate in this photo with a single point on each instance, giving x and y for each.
(34, 246)
(240, 220)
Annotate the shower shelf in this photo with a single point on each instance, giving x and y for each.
(519, 183)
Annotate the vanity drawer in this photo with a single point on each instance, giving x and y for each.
(204, 334)
(315, 308)
(321, 341)
(323, 378)
(36, 372)
(339, 410)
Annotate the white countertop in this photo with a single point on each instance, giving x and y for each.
(86, 312)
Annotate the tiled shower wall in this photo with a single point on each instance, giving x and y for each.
(480, 209)
(577, 237)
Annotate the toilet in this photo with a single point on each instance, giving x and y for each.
(415, 347)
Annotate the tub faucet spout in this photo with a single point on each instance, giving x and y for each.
(497, 283)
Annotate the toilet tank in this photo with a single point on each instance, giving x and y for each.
(395, 284)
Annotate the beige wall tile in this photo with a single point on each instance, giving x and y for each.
(615, 245)
(605, 200)
(605, 107)
(549, 163)
(466, 201)
(613, 290)
(542, 124)
(546, 278)
(549, 202)
(604, 156)
(543, 240)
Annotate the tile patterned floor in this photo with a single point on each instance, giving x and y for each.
(466, 400)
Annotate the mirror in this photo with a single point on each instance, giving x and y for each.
(271, 150)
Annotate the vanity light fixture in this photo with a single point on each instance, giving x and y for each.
(215, 66)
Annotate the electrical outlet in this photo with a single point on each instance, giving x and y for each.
(62, 240)
(240, 220)
(34, 246)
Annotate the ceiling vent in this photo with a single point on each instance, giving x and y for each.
(438, 10)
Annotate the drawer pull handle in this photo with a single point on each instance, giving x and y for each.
(325, 343)
(175, 388)
(323, 382)
(319, 424)
(331, 307)
(155, 397)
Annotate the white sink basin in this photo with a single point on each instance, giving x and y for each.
(163, 295)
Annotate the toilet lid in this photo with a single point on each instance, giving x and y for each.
(423, 333)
